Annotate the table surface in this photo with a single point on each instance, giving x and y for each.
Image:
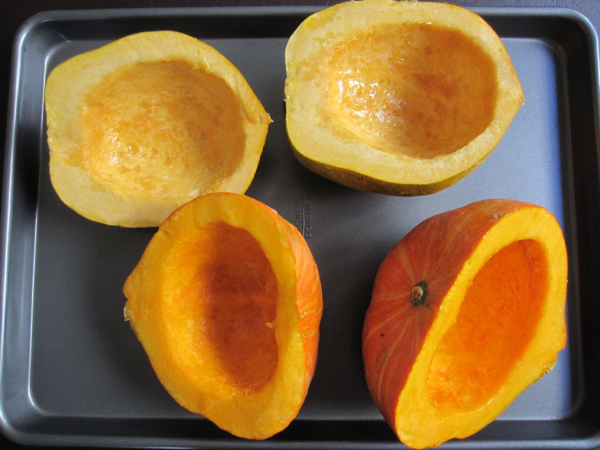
(15, 13)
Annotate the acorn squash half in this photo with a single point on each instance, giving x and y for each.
(146, 123)
(397, 97)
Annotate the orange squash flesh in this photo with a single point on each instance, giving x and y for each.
(467, 311)
(226, 301)
(222, 277)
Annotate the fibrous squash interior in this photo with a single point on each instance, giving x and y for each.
(496, 322)
(161, 128)
(418, 89)
(222, 304)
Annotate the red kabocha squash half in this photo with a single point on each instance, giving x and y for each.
(226, 301)
(468, 310)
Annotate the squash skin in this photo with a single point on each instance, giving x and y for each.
(248, 413)
(67, 97)
(365, 183)
(339, 154)
(457, 245)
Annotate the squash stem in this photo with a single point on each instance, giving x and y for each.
(418, 294)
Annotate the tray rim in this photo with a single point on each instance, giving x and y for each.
(127, 13)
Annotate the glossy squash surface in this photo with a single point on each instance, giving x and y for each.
(400, 97)
(226, 301)
(468, 310)
(144, 124)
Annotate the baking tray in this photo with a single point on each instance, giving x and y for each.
(72, 371)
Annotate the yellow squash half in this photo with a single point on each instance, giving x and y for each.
(144, 124)
(397, 97)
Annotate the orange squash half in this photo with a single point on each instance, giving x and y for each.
(468, 310)
(146, 123)
(226, 301)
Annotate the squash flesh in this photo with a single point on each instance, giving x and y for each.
(472, 362)
(401, 90)
(223, 299)
(162, 128)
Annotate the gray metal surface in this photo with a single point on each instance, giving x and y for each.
(71, 370)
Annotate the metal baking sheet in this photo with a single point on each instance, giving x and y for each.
(72, 371)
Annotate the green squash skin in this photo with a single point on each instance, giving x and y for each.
(366, 183)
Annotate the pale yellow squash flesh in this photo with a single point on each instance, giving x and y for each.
(144, 124)
(397, 97)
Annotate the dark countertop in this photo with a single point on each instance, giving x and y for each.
(15, 13)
